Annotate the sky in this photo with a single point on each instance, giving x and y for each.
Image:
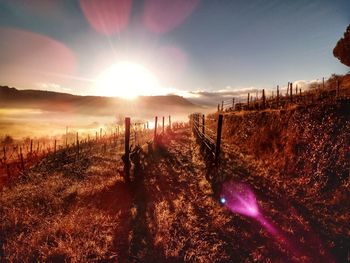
(187, 47)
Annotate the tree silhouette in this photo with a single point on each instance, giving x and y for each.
(342, 49)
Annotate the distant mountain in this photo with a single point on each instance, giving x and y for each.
(92, 105)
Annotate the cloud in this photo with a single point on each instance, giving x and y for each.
(28, 57)
(228, 92)
(306, 84)
(212, 98)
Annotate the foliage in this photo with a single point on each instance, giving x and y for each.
(342, 49)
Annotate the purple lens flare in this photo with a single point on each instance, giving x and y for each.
(239, 198)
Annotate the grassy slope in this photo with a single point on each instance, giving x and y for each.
(41, 215)
(83, 211)
(304, 153)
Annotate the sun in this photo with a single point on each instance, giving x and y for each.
(127, 80)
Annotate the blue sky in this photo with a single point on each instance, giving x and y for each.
(218, 45)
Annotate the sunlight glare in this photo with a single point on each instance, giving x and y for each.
(127, 80)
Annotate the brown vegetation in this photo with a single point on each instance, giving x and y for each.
(79, 208)
(302, 151)
(342, 49)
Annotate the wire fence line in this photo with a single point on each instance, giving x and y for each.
(209, 139)
(281, 98)
(207, 129)
(16, 159)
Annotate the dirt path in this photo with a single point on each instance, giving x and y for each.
(175, 217)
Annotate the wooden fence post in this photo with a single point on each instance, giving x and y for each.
(203, 125)
(222, 105)
(127, 150)
(169, 122)
(163, 125)
(155, 129)
(323, 83)
(263, 98)
(233, 103)
(248, 100)
(291, 92)
(55, 146)
(218, 139)
(278, 96)
(100, 133)
(194, 124)
(198, 130)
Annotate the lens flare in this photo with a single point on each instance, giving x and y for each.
(33, 58)
(107, 17)
(222, 200)
(161, 16)
(239, 198)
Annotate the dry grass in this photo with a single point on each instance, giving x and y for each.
(303, 152)
(167, 214)
(80, 210)
(41, 218)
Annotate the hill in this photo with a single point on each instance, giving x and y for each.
(40, 113)
(95, 105)
(303, 152)
(294, 159)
